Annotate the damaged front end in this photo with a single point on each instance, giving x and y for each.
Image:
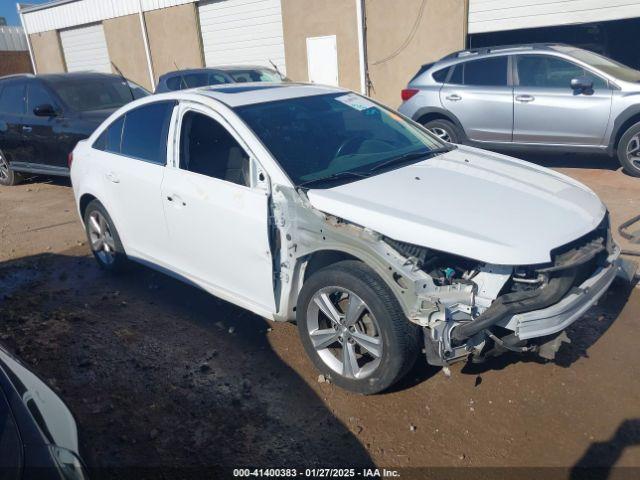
(465, 307)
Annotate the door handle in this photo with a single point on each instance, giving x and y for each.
(112, 177)
(27, 128)
(454, 97)
(525, 98)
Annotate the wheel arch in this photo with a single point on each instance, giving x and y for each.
(83, 203)
(625, 120)
(427, 114)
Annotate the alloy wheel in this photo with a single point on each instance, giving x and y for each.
(4, 168)
(102, 242)
(633, 151)
(344, 332)
(441, 133)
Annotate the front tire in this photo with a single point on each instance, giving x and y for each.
(629, 150)
(353, 328)
(103, 237)
(444, 130)
(8, 177)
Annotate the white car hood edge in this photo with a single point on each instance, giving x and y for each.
(472, 203)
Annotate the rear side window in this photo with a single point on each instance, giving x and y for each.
(144, 135)
(12, 98)
(487, 72)
(441, 75)
(551, 72)
(111, 138)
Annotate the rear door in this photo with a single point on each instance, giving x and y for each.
(548, 111)
(131, 163)
(479, 94)
(217, 220)
(12, 128)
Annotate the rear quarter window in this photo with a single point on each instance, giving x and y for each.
(440, 75)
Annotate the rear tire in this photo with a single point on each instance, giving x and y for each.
(445, 130)
(8, 177)
(629, 150)
(103, 237)
(366, 343)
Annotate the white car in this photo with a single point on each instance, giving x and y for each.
(314, 204)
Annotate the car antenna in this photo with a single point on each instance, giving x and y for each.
(182, 80)
(276, 69)
(124, 79)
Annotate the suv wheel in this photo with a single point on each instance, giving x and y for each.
(353, 329)
(103, 238)
(629, 150)
(7, 176)
(444, 130)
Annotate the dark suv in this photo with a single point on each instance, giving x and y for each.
(42, 117)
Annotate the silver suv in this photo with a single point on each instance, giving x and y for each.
(525, 97)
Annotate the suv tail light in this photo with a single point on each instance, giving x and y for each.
(407, 93)
(70, 159)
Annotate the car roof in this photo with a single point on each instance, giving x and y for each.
(516, 48)
(221, 68)
(240, 94)
(62, 76)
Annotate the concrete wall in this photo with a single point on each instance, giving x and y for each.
(174, 38)
(126, 48)
(47, 52)
(315, 18)
(394, 54)
(14, 62)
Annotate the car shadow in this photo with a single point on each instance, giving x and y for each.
(163, 376)
(53, 180)
(582, 334)
(599, 460)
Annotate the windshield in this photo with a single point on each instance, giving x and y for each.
(611, 67)
(86, 94)
(329, 136)
(255, 75)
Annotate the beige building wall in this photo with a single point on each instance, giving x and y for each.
(402, 35)
(174, 38)
(47, 52)
(315, 18)
(126, 48)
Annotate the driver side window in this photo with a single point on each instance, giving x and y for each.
(551, 72)
(207, 148)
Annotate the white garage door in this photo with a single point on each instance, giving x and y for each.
(242, 32)
(496, 15)
(85, 49)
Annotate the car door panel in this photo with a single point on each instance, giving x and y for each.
(479, 95)
(219, 236)
(218, 226)
(548, 111)
(12, 106)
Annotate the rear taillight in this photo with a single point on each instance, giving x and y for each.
(407, 93)
(70, 159)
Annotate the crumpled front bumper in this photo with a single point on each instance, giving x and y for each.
(547, 321)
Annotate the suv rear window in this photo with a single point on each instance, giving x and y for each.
(486, 72)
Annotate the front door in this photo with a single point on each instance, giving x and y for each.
(479, 95)
(48, 146)
(217, 221)
(548, 111)
(12, 128)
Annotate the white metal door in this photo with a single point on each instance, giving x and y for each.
(85, 49)
(322, 60)
(242, 32)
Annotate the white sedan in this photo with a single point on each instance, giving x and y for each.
(315, 204)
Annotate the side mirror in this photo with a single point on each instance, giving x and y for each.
(582, 83)
(45, 110)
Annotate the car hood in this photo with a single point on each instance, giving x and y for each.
(472, 203)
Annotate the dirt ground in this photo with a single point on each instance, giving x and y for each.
(162, 375)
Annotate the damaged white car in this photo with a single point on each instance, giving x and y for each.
(315, 204)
